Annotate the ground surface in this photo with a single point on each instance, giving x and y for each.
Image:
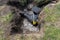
(50, 31)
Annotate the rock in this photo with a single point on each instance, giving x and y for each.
(30, 6)
(36, 9)
(28, 26)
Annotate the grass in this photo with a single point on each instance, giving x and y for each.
(52, 32)
(4, 20)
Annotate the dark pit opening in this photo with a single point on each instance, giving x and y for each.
(15, 30)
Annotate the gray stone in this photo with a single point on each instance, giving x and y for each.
(36, 9)
(28, 26)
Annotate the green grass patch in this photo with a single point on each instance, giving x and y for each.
(52, 14)
(6, 18)
(51, 31)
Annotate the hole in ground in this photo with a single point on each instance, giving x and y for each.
(16, 30)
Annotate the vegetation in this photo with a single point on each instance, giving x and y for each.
(52, 31)
(6, 18)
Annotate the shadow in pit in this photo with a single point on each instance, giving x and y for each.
(17, 4)
(16, 26)
(17, 22)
